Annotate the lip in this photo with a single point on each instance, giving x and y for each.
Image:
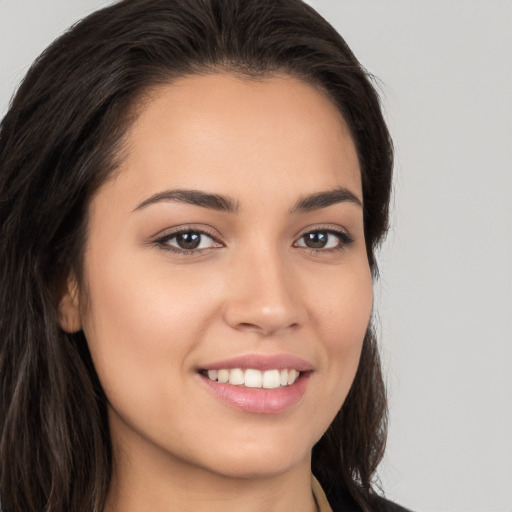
(262, 362)
(259, 400)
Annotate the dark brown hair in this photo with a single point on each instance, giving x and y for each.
(60, 141)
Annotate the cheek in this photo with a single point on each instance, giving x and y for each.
(134, 295)
(141, 324)
(344, 312)
(344, 304)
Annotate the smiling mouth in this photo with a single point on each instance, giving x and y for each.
(252, 378)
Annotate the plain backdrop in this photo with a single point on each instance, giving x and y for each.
(444, 299)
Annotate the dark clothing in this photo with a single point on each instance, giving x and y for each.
(340, 499)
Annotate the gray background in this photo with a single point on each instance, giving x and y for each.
(445, 295)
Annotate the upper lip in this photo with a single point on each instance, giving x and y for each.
(262, 362)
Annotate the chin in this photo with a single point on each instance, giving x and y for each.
(262, 467)
(261, 460)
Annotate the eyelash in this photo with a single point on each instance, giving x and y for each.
(163, 242)
(344, 240)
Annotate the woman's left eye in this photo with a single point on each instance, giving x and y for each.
(324, 240)
(187, 241)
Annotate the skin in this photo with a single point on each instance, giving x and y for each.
(153, 317)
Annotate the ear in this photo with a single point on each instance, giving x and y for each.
(69, 307)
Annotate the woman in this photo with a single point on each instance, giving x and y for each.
(191, 197)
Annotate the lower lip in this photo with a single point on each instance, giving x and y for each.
(259, 400)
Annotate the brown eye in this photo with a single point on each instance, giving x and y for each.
(185, 241)
(188, 240)
(316, 240)
(323, 239)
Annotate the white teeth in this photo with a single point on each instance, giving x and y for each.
(292, 376)
(223, 376)
(251, 378)
(271, 379)
(236, 377)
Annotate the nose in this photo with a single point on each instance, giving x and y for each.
(263, 295)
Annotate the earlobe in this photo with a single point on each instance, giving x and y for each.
(69, 308)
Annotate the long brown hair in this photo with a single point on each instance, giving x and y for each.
(60, 140)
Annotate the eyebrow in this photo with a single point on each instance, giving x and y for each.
(324, 199)
(195, 197)
(222, 203)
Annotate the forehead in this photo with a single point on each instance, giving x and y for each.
(234, 135)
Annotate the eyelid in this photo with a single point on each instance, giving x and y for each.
(345, 238)
(333, 228)
(161, 239)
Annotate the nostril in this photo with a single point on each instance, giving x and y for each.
(265, 329)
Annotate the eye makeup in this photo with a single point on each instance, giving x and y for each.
(194, 240)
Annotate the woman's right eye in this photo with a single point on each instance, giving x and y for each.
(188, 241)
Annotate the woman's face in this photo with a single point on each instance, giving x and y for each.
(229, 246)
